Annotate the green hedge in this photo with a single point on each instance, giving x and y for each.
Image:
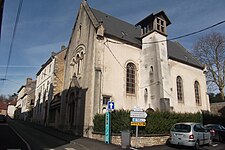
(161, 122)
(156, 122)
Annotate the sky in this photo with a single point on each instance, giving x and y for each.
(45, 25)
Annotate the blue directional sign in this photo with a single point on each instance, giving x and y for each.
(110, 105)
(107, 128)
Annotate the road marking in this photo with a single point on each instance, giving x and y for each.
(84, 147)
(215, 145)
(133, 148)
(70, 149)
(28, 146)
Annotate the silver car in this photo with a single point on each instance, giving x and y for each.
(189, 134)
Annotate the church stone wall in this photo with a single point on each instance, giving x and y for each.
(189, 75)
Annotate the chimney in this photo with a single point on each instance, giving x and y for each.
(29, 81)
(63, 47)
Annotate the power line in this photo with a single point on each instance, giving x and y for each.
(113, 54)
(18, 66)
(179, 37)
(13, 38)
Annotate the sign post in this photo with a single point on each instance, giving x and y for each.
(107, 128)
(110, 107)
(138, 119)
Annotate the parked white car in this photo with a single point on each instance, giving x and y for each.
(189, 134)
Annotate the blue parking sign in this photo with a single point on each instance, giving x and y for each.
(110, 105)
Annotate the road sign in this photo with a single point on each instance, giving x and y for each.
(138, 123)
(110, 105)
(138, 120)
(138, 114)
(107, 128)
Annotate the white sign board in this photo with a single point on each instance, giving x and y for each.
(138, 114)
(138, 120)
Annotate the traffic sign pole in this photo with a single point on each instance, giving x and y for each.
(136, 144)
(138, 119)
(107, 128)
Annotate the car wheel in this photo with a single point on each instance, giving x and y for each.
(220, 138)
(196, 147)
(210, 142)
(168, 142)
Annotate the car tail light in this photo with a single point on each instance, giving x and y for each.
(191, 136)
(212, 132)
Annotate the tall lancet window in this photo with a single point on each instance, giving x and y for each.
(197, 93)
(130, 82)
(180, 96)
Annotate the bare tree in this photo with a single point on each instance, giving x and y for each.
(210, 50)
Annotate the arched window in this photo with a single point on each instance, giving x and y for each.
(130, 83)
(180, 96)
(77, 61)
(197, 92)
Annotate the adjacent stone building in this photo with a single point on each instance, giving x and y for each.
(48, 90)
(133, 65)
(25, 100)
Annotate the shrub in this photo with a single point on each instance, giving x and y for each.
(99, 123)
(156, 122)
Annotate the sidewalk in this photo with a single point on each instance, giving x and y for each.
(84, 143)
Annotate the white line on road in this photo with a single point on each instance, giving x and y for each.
(70, 149)
(133, 148)
(28, 146)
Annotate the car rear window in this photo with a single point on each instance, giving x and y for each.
(181, 128)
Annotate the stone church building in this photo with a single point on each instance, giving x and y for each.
(133, 65)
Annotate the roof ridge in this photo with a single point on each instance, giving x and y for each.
(111, 16)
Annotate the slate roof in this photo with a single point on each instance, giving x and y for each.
(132, 34)
(179, 53)
(118, 28)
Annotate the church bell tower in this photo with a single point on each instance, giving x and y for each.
(155, 86)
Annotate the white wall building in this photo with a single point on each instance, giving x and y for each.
(133, 65)
(42, 91)
(49, 84)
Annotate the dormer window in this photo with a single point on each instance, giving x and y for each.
(160, 25)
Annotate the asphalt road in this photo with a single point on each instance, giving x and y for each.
(39, 140)
(214, 146)
(36, 139)
(9, 139)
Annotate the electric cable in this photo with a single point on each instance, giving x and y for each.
(178, 37)
(13, 38)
